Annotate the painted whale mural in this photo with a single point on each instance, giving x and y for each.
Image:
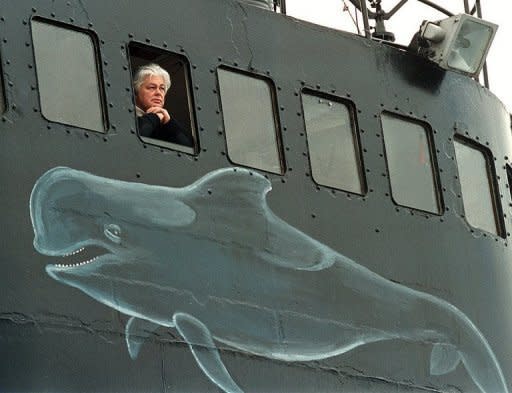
(213, 261)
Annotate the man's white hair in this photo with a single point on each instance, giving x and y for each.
(149, 70)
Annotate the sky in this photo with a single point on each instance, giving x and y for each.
(407, 21)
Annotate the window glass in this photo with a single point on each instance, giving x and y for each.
(333, 147)
(410, 164)
(249, 120)
(67, 75)
(180, 132)
(477, 181)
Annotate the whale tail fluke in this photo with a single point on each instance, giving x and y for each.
(484, 370)
(444, 359)
(478, 359)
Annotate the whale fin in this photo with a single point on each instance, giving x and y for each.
(137, 330)
(242, 186)
(198, 337)
(444, 359)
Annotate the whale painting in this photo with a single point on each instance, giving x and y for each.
(214, 262)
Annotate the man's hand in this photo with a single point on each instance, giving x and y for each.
(162, 114)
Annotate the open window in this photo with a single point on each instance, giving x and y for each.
(411, 163)
(250, 120)
(68, 76)
(333, 144)
(180, 133)
(479, 186)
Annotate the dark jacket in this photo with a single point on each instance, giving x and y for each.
(150, 127)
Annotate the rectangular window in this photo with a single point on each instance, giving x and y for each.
(69, 83)
(478, 186)
(250, 120)
(179, 133)
(333, 143)
(411, 164)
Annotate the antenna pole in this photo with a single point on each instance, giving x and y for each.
(436, 7)
(282, 4)
(394, 10)
(485, 72)
(364, 11)
(466, 6)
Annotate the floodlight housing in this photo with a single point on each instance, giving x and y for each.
(458, 43)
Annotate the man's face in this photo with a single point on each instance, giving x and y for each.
(151, 93)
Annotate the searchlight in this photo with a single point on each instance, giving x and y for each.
(459, 43)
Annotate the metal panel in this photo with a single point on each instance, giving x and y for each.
(2, 93)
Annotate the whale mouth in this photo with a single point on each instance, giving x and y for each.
(81, 257)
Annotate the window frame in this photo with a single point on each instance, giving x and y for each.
(492, 179)
(193, 151)
(436, 177)
(274, 106)
(356, 134)
(99, 71)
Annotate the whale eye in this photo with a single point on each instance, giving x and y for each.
(113, 232)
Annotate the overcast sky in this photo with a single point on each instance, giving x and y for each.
(407, 21)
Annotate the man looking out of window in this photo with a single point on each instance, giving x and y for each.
(151, 84)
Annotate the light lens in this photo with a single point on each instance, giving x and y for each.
(469, 46)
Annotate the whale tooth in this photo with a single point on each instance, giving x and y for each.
(77, 263)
